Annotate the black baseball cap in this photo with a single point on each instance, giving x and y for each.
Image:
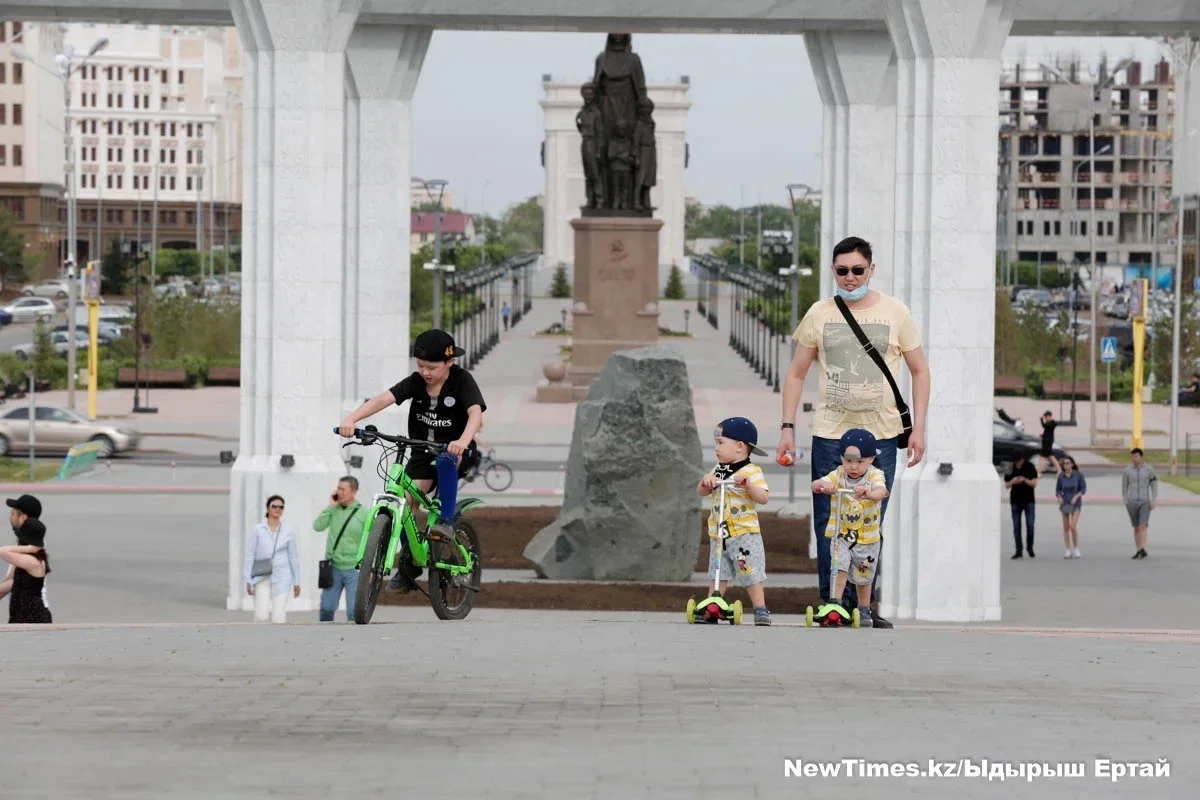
(27, 504)
(436, 345)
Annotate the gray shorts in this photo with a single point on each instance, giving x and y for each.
(858, 561)
(743, 559)
(1139, 513)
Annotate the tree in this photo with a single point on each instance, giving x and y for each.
(13, 259)
(560, 286)
(674, 287)
(523, 225)
(114, 270)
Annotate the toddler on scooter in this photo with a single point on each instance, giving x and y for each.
(855, 546)
(742, 555)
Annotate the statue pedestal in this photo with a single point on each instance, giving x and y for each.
(616, 297)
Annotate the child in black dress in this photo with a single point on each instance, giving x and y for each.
(32, 565)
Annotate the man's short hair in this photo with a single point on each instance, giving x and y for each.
(350, 480)
(1137, 451)
(854, 244)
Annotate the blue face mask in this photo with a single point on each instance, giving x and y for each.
(857, 294)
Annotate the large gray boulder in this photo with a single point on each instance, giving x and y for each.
(630, 509)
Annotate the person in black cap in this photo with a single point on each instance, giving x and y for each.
(31, 565)
(24, 507)
(447, 407)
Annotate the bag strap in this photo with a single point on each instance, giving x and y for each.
(345, 524)
(901, 406)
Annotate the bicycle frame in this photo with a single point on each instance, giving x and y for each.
(394, 502)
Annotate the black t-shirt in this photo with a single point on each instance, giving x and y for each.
(1021, 493)
(439, 419)
(1048, 433)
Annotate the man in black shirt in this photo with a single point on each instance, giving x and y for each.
(1021, 480)
(447, 407)
(1048, 426)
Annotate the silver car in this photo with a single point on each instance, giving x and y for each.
(28, 309)
(59, 429)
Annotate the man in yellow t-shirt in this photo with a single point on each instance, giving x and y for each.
(853, 392)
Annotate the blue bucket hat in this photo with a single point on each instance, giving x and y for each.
(862, 439)
(740, 429)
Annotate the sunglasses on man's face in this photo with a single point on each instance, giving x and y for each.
(844, 271)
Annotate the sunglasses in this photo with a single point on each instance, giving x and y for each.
(844, 271)
(276, 506)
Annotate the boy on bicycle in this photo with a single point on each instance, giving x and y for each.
(447, 408)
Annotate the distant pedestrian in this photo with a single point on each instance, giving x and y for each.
(272, 564)
(505, 311)
(343, 518)
(1021, 480)
(31, 565)
(24, 507)
(1048, 426)
(1069, 490)
(1139, 489)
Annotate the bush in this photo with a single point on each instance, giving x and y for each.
(674, 287)
(560, 287)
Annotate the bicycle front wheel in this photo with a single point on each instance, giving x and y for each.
(498, 477)
(370, 573)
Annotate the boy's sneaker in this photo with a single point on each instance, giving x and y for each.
(864, 618)
(762, 616)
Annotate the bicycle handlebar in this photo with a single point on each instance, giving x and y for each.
(368, 434)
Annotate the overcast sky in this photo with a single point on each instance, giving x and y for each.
(754, 125)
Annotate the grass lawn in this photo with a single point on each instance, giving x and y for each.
(16, 470)
(1189, 482)
(1158, 458)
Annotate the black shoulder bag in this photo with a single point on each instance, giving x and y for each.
(901, 406)
(325, 567)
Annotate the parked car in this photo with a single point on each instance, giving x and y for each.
(1008, 442)
(5, 318)
(59, 429)
(28, 309)
(106, 332)
(58, 340)
(52, 288)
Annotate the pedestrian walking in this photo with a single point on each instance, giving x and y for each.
(272, 564)
(343, 518)
(1021, 481)
(1139, 489)
(832, 333)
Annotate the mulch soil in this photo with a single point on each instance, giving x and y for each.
(504, 533)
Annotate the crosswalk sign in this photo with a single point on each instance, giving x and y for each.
(1108, 349)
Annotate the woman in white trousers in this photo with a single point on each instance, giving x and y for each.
(272, 540)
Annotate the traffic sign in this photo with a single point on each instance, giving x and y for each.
(1108, 349)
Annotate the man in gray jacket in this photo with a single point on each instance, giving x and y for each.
(1139, 488)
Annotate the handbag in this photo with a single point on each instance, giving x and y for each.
(901, 406)
(325, 566)
(262, 566)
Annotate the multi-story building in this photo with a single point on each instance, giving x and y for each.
(31, 137)
(1046, 152)
(156, 135)
(156, 117)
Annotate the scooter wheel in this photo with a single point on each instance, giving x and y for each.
(737, 613)
(854, 618)
(808, 617)
(691, 611)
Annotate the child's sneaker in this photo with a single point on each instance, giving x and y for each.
(864, 618)
(762, 616)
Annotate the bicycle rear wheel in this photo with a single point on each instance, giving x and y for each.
(498, 477)
(370, 573)
(453, 597)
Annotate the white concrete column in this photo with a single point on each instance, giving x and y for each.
(383, 65)
(944, 564)
(293, 249)
(856, 77)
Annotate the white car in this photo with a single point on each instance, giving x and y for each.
(29, 309)
(51, 288)
(58, 340)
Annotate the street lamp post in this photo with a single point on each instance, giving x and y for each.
(65, 70)
(438, 186)
(803, 191)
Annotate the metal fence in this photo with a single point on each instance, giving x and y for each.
(474, 299)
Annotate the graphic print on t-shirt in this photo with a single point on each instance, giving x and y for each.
(854, 383)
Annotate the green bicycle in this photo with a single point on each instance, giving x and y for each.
(392, 539)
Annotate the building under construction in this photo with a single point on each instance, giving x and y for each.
(1059, 118)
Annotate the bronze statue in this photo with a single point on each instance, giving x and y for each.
(619, 153)
(590, 124)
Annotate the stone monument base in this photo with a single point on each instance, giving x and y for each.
(616, 299)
